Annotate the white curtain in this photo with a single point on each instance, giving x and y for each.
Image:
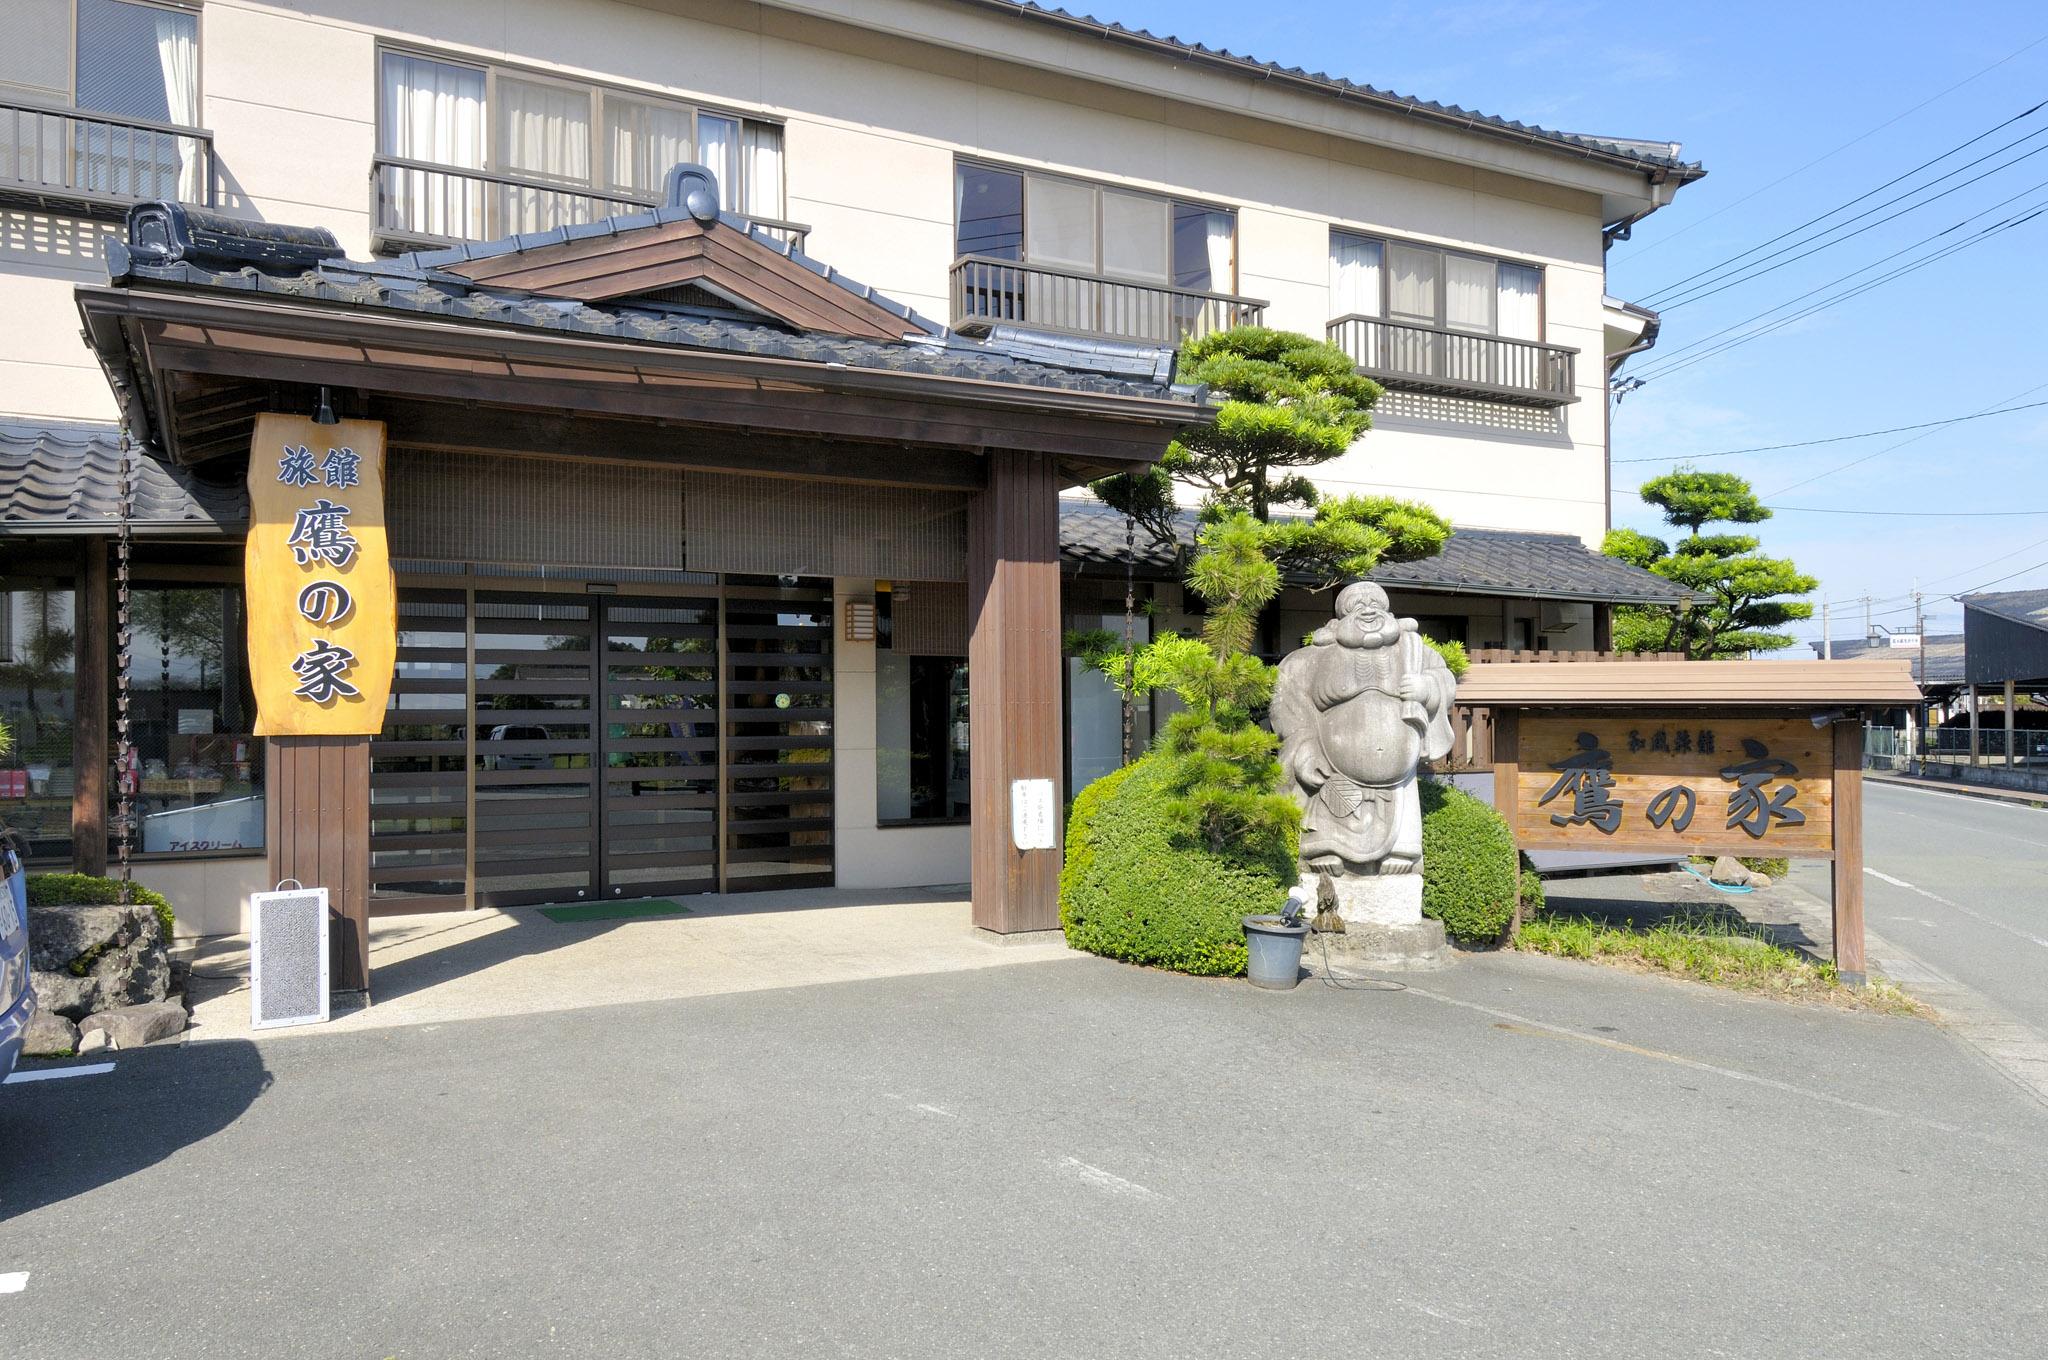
(1354, 276)
(433, 112)
(718, 150)
(543, 130)
(764, 170)
(646, 142)
(1222, 238)
(1468, 293)
(1521, 312)
(177, 53)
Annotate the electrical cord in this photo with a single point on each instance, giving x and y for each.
(1351, 984)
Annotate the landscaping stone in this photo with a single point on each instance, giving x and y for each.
(134, 1026)
(49, 1035)
(1731, 872)
(94, 1042)
(123, 953)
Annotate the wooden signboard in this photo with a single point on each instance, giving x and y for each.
(323, 622)
(1740, 758)
(1676, 783)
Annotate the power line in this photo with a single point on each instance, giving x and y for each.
(1670, 236)
(1909, 514)
(1663, 358)
(1977, 238)
(1840, 438)
(1715, 269)
(1858, 462)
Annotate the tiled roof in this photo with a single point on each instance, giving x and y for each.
(416, 286)
(1939, 660)
(1523, 564)
(1651, 154)
(68, 480)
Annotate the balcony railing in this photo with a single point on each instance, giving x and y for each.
(990, 292)
(1456, 364)
(418, 204)
(72, 160)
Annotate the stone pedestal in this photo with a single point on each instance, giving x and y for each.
(1383, 899)
(1371, 948)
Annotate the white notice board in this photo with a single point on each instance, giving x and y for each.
(1031, 814)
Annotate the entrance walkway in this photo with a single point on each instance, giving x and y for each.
(471, 965)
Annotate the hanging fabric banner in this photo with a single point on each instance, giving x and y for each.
(323, 622)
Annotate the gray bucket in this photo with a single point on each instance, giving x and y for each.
(1273, 952)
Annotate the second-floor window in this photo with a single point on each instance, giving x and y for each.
(540, 152)
(130, 70)
(1443, 290)
(1094, 229)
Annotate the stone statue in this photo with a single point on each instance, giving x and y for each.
(1355, 711)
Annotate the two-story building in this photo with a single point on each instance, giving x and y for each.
(811, 425)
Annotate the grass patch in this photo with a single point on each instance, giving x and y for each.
(1710, 947)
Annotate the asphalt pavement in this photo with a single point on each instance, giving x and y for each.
(1516, 1157)
(1961, 882)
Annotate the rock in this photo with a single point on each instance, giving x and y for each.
(124, 948)
(1759, 881)
(1730, 872)
(134, 1026)
(94, 1042)
(62, 994)
(49, 1035)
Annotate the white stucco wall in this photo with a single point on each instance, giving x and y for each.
(873, 124)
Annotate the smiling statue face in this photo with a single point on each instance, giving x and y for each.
(1364, 617)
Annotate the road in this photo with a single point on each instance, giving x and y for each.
(1516, 1157)
(1963, 883)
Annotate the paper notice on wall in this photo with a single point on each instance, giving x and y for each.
(1032, 824)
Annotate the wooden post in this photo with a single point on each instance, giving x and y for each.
(91, 631)
(1013, 662)
(317, 825)
(1848, 873)
(2009, 705)
(1507, 773)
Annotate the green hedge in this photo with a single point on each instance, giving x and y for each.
(1128, 892)
(85, 890)
(1468, 865)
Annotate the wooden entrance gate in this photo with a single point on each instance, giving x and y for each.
(579, 744)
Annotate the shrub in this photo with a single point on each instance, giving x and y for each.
(1130, 890)
(1468, 865)
(86, 890)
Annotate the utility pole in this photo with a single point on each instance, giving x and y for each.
(1827, 636)
(1866, 618)
(1920, 653)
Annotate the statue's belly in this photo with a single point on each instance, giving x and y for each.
(1372, 751)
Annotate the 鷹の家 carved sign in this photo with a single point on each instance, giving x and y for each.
(1689, 785)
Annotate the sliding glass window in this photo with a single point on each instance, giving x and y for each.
(1095, 229)
(1440, 289)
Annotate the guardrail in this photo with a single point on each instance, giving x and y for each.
(1416, 358)
(67, 159)
(989, 292)
(421, 204)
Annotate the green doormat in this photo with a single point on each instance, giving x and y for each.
(614, 911)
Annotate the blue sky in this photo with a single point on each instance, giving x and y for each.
(1757, 91)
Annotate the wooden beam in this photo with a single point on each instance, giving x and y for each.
(1013, 659)
(1974, 703)
(89, 728)
(1507, 774)
(2009, 704)
(459, 428)
(1848, 866)
(317, 828)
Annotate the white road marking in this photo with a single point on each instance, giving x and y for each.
(14, 1282)
(1105, 1180)
(1971, 912)
(55, 1073)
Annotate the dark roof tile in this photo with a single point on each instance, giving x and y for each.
(68, 479)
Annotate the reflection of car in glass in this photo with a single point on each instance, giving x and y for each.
(515, 760)
(17, 1000)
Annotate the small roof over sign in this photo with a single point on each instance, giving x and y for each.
(1687, 684)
